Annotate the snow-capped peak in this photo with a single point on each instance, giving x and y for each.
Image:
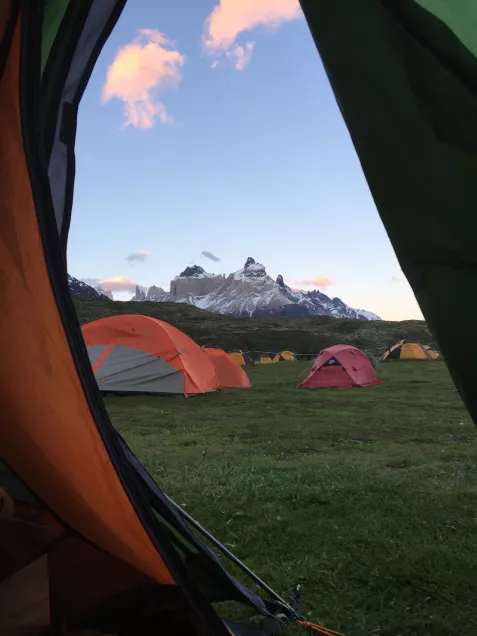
(195, 271)
(251, 271)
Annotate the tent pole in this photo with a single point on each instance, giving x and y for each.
(232, 557)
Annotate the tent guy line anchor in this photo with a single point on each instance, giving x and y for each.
(233, 558)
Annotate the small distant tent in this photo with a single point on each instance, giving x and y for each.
(341, 367)
(283, 356)
(240, 357)
(432, 352)
(408, 350)
(139, 354)
(267, 360)
(229, 372)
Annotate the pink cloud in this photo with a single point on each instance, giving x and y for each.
(139, 71)
(241, 55)
(118, 284)
(317, 281)
(232, 17)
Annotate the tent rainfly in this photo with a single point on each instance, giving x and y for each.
(138, 354)
(283, 356)
(268, 359)
(341, 367)
(240, 357)
(409, 350)
(432, 352)
(230, 374)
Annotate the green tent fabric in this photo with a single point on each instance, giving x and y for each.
(405, 77)
(53, 14)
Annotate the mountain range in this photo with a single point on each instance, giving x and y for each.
(249, 292)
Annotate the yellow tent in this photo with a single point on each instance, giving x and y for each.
(284, 355)
(267, 360)
(240, 357)
(408, 350)
(432, 352)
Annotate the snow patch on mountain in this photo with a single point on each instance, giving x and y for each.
(252, 271)
(368, 315)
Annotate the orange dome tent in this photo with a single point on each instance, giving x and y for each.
(139, 354)
(229, 372)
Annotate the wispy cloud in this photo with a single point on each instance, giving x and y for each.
(230, 18)
(137, 75)
(138, 256)
(242, 55)
(210, 256)
(317, 281)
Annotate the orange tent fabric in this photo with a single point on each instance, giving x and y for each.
(50, 438)
(229, 373)
(142, 354)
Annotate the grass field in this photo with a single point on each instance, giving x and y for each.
(367, 497)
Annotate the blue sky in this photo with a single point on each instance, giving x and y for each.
(234, 145)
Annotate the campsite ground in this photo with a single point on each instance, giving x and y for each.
(368, 497)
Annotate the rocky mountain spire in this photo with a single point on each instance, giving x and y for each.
(139, 295)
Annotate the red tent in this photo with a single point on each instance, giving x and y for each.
(340, 367)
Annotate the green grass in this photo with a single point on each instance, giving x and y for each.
(300, 334)
(366, 497)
